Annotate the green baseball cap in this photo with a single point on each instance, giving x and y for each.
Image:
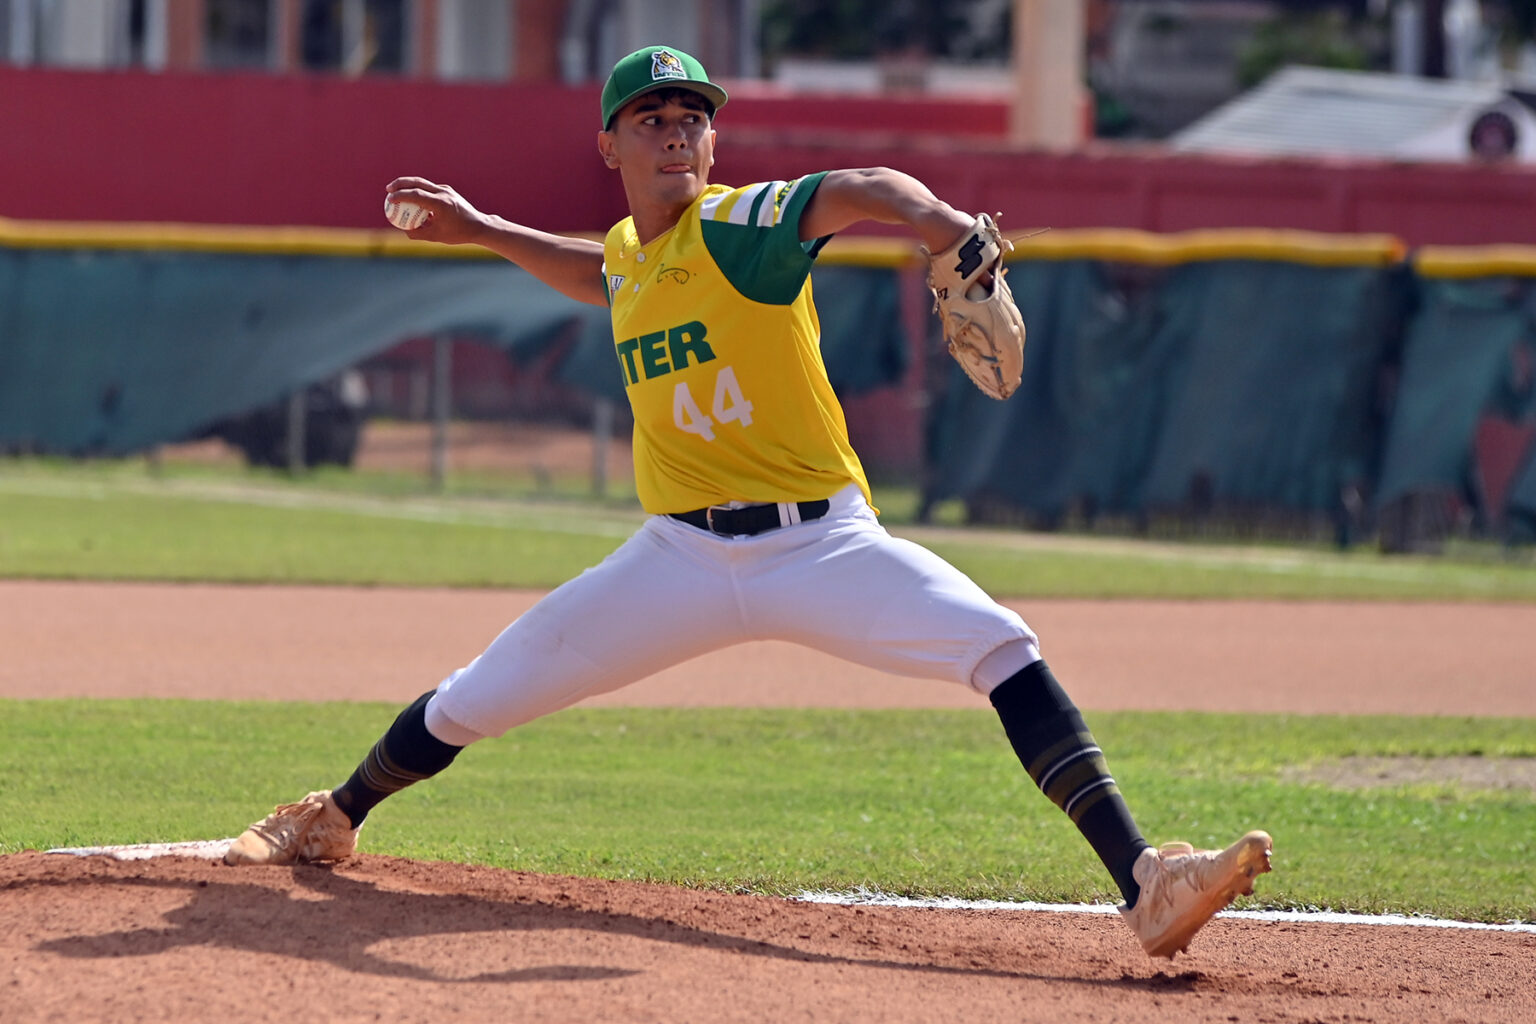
(652, 68)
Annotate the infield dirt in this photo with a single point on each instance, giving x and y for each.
(384, 939)
(379, 938)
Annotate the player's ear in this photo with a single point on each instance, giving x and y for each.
(712, 137)
(605, 147)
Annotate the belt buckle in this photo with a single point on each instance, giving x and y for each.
(709, 518)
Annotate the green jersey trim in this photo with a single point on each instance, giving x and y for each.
(753, 235)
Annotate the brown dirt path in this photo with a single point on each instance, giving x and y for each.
(386, 939)
(300, 643)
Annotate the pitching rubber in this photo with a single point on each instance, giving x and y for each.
(202, 849)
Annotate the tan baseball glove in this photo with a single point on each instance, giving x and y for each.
(982, 324)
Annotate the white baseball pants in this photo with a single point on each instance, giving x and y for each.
(839, 584)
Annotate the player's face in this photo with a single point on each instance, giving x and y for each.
(663, 148)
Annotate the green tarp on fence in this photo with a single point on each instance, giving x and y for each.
(1235, 371)
(1462, 360)
(112, 351)
(1240, 382)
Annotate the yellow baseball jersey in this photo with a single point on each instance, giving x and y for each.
(718, 341)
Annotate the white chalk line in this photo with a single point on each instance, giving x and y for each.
(214, 849)
(870, 898)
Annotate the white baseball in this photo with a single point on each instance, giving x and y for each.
(403, 214)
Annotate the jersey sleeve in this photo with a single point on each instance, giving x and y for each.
(753, 234)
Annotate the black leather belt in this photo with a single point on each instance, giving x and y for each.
(752, 520)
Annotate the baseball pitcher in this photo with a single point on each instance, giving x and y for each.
(761, 520)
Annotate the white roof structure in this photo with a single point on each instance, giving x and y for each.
(1305, 111)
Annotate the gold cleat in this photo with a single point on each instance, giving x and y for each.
(1182, 888)
(314, 829)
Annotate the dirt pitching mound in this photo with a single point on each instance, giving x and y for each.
(380, 938)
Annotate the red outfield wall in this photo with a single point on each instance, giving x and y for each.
(313, 150)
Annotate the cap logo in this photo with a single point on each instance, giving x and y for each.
(665, 65)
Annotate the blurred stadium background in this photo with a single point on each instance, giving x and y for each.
(1286, 289)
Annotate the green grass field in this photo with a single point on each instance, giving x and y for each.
(115, 520)
(768, 800)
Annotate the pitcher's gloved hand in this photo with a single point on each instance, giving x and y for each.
(982, 325)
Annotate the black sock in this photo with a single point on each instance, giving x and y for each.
(407, 753)
(1054, 744)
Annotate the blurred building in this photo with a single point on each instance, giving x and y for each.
(477, 40)
(1154, 66)
(1167, 62)
(1317, 112)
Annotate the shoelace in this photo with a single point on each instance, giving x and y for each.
(286, 821)
(1158, 891)
(1177, 862)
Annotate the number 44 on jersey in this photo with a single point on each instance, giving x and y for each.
(653, 355)
(727, 406)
